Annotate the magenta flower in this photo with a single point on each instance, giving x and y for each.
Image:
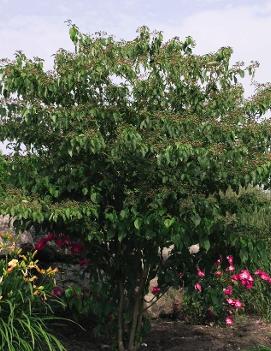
(155, 290)
(49, 237)
(245, 278)
(40, 244)
(218, 261)
(231, 268)
(198, 287)
(238, 304)
(263, 275)
(200, 273)
(76, 248)
(60, 243)
(234, 303)
(230, 260)
(218, 274)
(57, 291)
(229, 320)
(228, 290)
(244, 275)
(235, 277)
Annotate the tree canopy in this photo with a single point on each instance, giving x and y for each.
(127, 145)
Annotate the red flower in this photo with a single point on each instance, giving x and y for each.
(155, 290)
(60, 243)
(76, 248)
(57, 291)
(40, 244)
(200, 273)
(49, 237)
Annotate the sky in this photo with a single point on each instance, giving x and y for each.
(38, 27)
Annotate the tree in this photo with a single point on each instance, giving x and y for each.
(3, 174)
(127, 145)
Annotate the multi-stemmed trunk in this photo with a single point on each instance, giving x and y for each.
(129, 335)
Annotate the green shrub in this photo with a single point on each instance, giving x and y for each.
(127, 146)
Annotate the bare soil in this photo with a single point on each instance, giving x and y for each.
(167, 335)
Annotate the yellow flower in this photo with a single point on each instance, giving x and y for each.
(51, 271)
(12, 264)
(31, 279)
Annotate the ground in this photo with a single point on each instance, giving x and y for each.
(167, 335)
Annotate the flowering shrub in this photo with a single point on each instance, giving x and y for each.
(218, 294)
(25, 293)
(61, 242)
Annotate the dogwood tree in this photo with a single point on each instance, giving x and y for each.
(126, 145)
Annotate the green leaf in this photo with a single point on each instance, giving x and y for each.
(206, 244)
(84, 191)
(169, 222)
(137, 223)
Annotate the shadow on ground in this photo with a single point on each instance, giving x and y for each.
(178, 336)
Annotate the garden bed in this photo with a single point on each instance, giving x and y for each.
(167, 335)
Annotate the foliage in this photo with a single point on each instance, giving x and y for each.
(224, 291)
(244, 231)
(127, 146)
(25, 289)
(3, 174)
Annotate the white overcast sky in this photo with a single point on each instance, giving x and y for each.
(37, 26)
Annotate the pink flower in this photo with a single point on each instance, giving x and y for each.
(245, 278)
(230, 260)
(234, 303)
(76, 248)
(155, 290)
(228, 290)
(198, 287)
(238, 304)
(40, 244)
(247, 284)
(57, 291)
(231, 268)
(218, 274)
(230, 301)
(235, 277)
(229, 320)
(245, 275)
(218, 261)
(263, 275)
(200, 273)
